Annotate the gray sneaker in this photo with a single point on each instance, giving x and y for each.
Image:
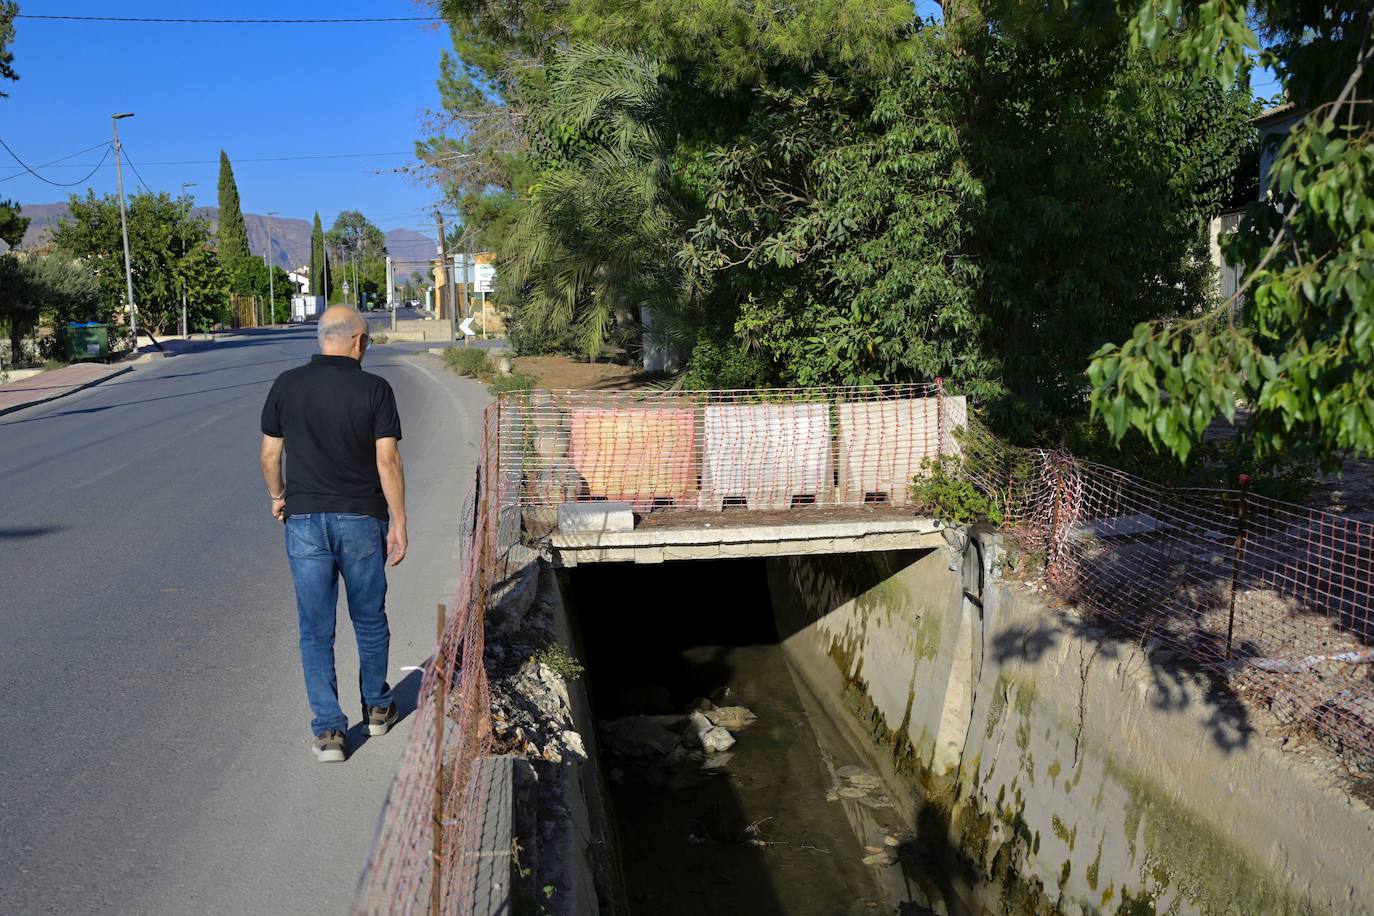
(379, 719)
(329, 747)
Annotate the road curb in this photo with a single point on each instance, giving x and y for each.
(90, 384)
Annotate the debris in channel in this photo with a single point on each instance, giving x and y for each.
(698, 739)
(861, 785)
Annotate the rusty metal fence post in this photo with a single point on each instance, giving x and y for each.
(939, 420)
(1056, 518)
(1239, 550)
(440, 712)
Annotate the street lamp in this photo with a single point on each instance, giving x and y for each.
(185, 328)
(124, 227)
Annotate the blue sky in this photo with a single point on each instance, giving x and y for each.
(257, 91)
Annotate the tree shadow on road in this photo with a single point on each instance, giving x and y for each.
(38, 531)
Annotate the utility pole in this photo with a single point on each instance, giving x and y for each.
(185, 328)
(124, 228)
(470, 276)
(324, 255)
(391, 290)
(271, 290)
(357, 293)
(443, 264)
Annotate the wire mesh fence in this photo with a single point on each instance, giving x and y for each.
(416, 858)
(710, 450)
(1274, 598)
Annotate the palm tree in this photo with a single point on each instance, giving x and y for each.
(599, 233)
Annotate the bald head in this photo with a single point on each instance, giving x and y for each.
(340, 331)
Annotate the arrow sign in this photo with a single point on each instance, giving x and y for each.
(466, 326)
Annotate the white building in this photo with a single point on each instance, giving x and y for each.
(301, 277)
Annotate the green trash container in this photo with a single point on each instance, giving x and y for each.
(86, 340)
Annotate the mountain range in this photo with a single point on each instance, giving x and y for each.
(290, 237)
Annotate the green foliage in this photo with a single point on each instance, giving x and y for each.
(8, 9)
(941, 491)
(596, 238)
(564, 664)
(731, 44)
(837, 226)
(1217, 462)
(871, 200)
(471, 362)
(319, 262)
(362, 255)
(52, 288)
(160, 230)
(722, 362)
(888, 230)
(13, 222)
(233, 232)
(1298, 348)
(249, 277)
(515, 383)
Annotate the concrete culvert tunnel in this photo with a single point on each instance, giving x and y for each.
(920, 730)
(762, 817)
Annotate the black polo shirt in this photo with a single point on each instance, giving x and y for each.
(331, 414)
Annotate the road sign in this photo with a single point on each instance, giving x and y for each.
(466, 326)
(484, 277)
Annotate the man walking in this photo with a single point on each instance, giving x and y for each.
(343, 503)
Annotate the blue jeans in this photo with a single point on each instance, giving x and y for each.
(320, 547)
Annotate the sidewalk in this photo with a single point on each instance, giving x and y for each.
(47, 386)
(59, 382)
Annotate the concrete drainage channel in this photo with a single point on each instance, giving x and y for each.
(889, 731)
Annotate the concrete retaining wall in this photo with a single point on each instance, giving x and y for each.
(544, 842)
(1049, 766)
(417, 330)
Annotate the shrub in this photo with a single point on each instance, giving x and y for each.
(560, 661)
(516, 382)
(469, 361)
(941, 492)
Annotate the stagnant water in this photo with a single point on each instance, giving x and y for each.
(778, 826)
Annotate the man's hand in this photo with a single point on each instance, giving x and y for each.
(396, 544)
(272, 447)
(392, 473)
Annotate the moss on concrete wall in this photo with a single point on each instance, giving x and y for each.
(1008, 822)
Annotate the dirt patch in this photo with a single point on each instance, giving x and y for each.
(564, 372)
(1349, 493)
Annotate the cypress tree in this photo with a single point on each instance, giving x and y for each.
(233, 233)
(318, 259)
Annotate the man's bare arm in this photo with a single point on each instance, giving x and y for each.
(393, 474)
(271, 474)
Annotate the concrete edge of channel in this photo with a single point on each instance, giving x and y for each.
(91, 384)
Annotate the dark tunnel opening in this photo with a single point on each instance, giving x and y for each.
(755, 828)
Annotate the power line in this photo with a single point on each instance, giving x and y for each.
(124, 147)
(59, 184)
(163, 20)
(104, 143)
(259, 159)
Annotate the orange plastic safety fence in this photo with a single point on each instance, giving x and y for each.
(1275, 598)
(1272, 597)
(761, 450)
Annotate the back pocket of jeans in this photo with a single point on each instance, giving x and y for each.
(360, 535)
(304, 539)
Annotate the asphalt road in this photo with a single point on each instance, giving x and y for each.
(157, 751)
